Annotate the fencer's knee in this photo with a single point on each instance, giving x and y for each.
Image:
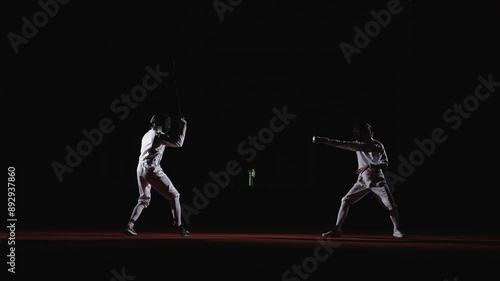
(345, 201)
(174, 194)
(171, 196)
(144, 202)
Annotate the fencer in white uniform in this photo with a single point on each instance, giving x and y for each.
(150, 173)
(372, 160)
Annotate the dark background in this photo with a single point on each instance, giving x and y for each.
(230, 75)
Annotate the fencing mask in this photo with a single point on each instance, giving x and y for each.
(362, 132)
(161, 119)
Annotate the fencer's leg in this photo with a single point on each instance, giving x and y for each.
(136, 213)
(142, 203)
(394, 214)
(161, 183)
(175, 206)
(342, 214)
(355, 194)
(384, 196)
(396, 232)
(358, 191)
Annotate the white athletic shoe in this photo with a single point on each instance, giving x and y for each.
(398, 234)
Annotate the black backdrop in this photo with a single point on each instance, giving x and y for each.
(230, 75)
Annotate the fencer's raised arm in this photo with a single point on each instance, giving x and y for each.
(347, 145)
(177, 141)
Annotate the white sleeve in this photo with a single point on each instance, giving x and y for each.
(347, 145)
(174, 142)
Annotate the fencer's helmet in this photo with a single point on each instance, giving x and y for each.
(161, 119)
(362, 131)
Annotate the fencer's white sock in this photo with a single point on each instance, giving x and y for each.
(135, 214)
(394, 218)
(343, 211)
(175, 206)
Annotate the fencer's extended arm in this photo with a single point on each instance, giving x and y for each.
(178, 141)
(347, 145)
